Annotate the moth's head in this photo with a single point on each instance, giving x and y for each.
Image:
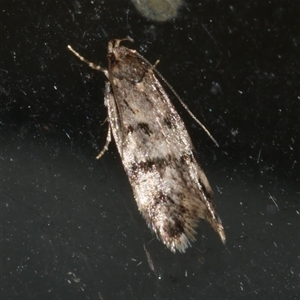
(115, 43)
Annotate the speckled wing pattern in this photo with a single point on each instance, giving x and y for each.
(170, 188)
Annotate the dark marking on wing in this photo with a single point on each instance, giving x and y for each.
(146, 166)
(144, 127)
(128, 106)
(130, 129)
(169, 122)
(173, 227)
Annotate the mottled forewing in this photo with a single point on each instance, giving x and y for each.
(170, 188)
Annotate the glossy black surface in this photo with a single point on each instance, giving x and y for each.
(70, 228)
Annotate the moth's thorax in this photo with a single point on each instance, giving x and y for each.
(124, 64)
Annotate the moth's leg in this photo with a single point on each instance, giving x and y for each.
(154, 66)
(108, 140)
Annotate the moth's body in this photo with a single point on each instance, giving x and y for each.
(170, 188)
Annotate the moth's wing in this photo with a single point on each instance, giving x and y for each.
(170, 188)
(113, 114)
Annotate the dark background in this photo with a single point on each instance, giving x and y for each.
(70, 228)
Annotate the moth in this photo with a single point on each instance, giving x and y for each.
(169, 186)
